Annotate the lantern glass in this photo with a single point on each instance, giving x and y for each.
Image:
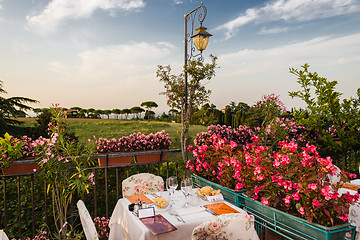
(201, 38)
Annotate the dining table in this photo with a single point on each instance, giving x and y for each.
(124, 224)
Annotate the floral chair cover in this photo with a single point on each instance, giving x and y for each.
(233, 226)
(142, 183)
(336, 177)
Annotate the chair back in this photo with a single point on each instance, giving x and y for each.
(227, 226)
(3, 235)
(142, 183)
(336, 177)
(87, 222)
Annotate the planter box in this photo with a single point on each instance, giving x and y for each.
(114, 161)
(21, 167)
(156, 157)
(230, 195)
(292, 226)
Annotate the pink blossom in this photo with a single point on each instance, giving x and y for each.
(264, 201)
(302, 210)
(316, 203)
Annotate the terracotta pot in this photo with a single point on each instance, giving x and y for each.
(115, 161)
(21, 167)
(150, 157)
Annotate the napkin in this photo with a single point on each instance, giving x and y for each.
(193, 213)
(189, 210)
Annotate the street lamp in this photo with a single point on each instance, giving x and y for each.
(200, 40)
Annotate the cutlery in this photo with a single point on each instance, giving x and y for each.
(174, 213)
(210, 211)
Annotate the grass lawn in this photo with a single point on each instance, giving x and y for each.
(110, 128)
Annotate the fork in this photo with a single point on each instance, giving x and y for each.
(174, 213)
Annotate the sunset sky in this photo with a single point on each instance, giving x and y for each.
(104, 54)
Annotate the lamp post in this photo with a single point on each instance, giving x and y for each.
(200, 39)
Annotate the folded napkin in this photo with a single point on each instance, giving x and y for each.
(193, 213)
(189, 210)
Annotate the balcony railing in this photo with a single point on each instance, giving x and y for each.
(27, 207)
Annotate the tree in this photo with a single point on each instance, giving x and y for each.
(117, 112)
(126, 111)
(11, 108)
(137, 111)
(197, 94)
(107, 113)
(326, 114)
(149, 105)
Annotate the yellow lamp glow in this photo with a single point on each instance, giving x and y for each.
(201, 38)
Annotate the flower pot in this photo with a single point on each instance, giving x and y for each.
(293, 226)
(156, 157)
(230, 195)
(21, 167)
(114, 161)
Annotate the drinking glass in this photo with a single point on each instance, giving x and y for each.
(186, 188)
(171, 185)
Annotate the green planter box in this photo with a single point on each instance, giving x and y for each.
(294, 227)
(230, 195)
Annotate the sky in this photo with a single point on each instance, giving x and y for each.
(104, 54)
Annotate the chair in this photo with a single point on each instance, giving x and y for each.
(142, 183)
(3, 235)
(87, 222)
(336, 177)
(227, 226)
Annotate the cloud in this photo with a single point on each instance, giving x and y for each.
(295, 10)
(274, 30)
(115, 63)
(58, 11)
(251, 73)
(178, 2)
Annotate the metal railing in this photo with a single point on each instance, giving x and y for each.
(27, 207)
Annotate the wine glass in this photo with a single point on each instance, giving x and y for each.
(186, 189)
(171, 185)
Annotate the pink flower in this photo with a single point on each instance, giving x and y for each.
(344, 217)
(264, 201)
(316, 203)
(302, 210)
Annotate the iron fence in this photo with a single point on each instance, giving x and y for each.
(27, 208)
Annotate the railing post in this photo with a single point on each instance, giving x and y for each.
(32, 205)
(5, 206)
(19, 205)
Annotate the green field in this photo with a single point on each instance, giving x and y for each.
(87, 128)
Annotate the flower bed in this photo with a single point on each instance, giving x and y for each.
(291, 179)
(135, 142)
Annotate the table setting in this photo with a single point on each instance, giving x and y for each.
(177, 211)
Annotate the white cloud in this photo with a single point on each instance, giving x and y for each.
(274, 30)
(115, 63)
(296, 10)
(58, 11)
(178, 1)
(252, 73)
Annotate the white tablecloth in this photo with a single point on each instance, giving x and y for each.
(124, 225)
